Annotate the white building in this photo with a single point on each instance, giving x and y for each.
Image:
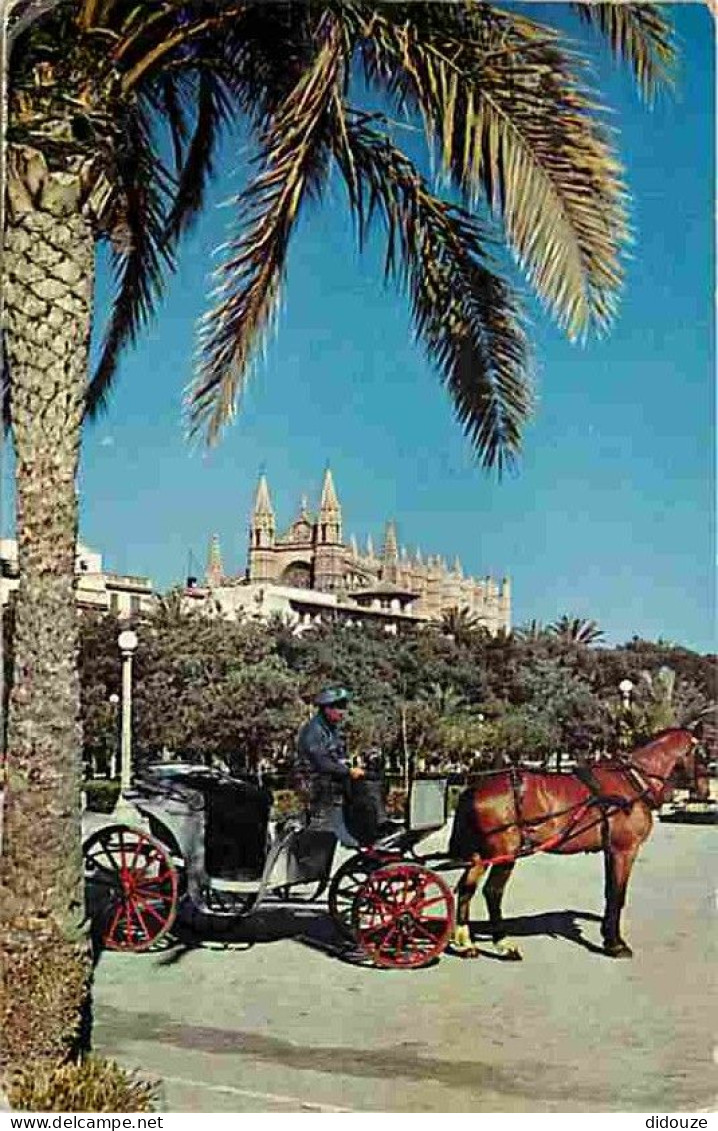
(105, 592)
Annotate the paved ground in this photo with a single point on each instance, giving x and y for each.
(281, 1023)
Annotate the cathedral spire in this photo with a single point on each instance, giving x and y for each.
(215, 570)
(390, 552)
(329, 502)
(261, 531)
(330, 512)
(390, 555)
(262, 501)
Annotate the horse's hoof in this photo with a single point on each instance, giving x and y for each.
(463, 951)
(618, 950)
(508, 951)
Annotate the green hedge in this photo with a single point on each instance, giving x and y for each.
(101, 795)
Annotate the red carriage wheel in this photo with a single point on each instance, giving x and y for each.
(132, 887)
(346, 882)
(403, 915)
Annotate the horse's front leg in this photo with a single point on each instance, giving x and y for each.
(462, 942)
(618, 864)
(493, 893)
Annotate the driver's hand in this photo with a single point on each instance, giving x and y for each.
(356, 772)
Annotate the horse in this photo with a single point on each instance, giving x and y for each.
(607, 808)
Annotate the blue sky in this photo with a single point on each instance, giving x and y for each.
(611, 515)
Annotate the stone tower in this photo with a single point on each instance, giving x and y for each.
(262, 535)
(390, 555)
(214, 573)
(329, 550)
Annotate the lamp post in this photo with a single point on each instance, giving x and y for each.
(127, 643)
(114, 701)
(626, 689)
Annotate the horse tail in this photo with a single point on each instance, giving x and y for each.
(463, 841)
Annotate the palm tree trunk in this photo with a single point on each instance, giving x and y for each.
(44, 954)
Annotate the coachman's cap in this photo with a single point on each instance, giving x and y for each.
(333, 697)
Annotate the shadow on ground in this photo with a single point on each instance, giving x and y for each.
(311, 926)
(565, 924)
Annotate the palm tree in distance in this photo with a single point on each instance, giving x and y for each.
(576, 630)
(117, 108)
(460, 624)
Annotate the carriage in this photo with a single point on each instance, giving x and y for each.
(200, 846)
(205, 844)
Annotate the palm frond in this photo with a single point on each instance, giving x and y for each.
(263, 68)
(641, 35)
(250, 278)
(141, 256)
(196, 166)
(512, 123)
(153, 37)
(466, 316)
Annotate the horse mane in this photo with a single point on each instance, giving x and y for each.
(666, 731)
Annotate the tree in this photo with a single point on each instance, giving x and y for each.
(460, 624)
(94, 87)
(576, 630)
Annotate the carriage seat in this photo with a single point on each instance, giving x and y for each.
(235, 835)
(364, 810)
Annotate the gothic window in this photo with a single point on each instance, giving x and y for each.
(297, 574)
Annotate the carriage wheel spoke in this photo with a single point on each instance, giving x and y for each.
(424, 929)
(421, 905)
(372, 928)
(138, 844)
(121, 838)
(141, 921)
(147, 906)
(104, 851)
(384, 945)
(113, 926)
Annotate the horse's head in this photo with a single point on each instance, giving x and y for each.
(689, 771)
(672, 759)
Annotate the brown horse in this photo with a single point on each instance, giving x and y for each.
(518, 812)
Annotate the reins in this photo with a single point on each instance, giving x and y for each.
(607, 807)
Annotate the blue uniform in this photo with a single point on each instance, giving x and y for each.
(323, 758)
(323, 763)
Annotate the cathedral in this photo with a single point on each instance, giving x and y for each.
(309, 568)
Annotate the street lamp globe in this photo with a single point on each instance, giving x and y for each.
(625, 686)
(127, 640)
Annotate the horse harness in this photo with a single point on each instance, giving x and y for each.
(608, 804)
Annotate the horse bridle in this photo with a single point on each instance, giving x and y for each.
(641, 778)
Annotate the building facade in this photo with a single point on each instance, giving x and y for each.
(95, 588)
(309, 568)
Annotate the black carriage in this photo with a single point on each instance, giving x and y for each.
(207, 845)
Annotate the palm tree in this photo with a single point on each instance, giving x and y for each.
(460, 624)
(576, 630)
(531, 631)
(95, 87)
